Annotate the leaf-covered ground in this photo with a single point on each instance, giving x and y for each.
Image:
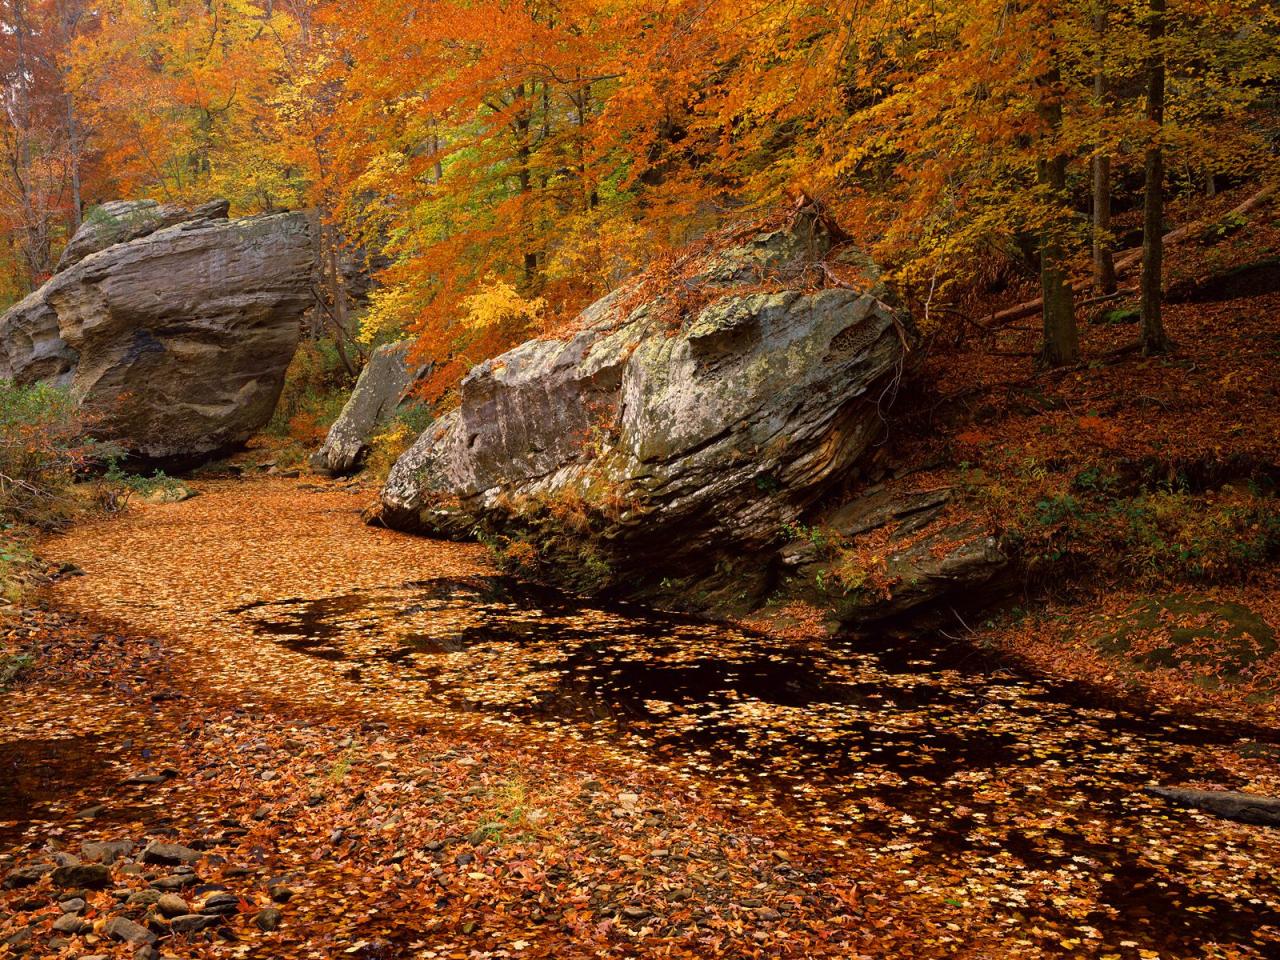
(439, 762)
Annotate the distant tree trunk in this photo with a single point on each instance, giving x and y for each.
(1154, 338)
(1104, 268)
(1061, 340)
(337, 296)
(73, 148)
(521, 128)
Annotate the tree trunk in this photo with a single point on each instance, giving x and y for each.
(337, 297)
(1154, 338)
(1061, 340)
(73, 148)
(524, 176)
(1104, 268)
(1104, 264)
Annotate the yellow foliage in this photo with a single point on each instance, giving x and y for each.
(389, 308)
(387, 446)
(498, 303)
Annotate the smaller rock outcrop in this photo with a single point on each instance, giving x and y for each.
(31, 349)
(1249, 808)
(119, 221)
(685, 424)
(377, 396)
(925, 556)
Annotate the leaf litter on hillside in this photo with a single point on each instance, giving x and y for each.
(686, 787)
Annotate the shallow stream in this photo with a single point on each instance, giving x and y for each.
(1003, 790)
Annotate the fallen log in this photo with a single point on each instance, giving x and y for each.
(1250, 808)
(1027, 308)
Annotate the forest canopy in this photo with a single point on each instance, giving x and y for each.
(504, 162)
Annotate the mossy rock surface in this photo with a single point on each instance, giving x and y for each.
(1180, 631)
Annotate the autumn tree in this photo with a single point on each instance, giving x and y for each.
(1154, 339)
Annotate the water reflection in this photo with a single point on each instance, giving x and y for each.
(937, 752)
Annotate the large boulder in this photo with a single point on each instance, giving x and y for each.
(31, 346)
(664, 438)
(376, 398)
(181, 337)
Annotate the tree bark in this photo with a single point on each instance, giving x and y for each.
(1154, 338)
(1104, 268)
(1061, 344)
(337, 296)
(1028, 307)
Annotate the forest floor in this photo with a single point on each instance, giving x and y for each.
(1138, 493)
(366, 744)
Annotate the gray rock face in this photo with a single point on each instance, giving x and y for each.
(953, 560)
(181, 338)
(377, 396)
(1249, 808)
(119, 221)
(31, 350)
(666, 445)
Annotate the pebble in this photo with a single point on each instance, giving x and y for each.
(123, 929)
(262, 812)
(169, 853)
(172, 905)
(632, 912)
(92, 876)
(220, 904)
(107, 852)
(175, 882)
(74, 905)
(144, 897)
(268, 919)
(193, 923)
(280, 893)
(70, 923)
(26, 876)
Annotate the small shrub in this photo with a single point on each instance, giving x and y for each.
(12, 666)
(1221, 229)
(387, 446)
(316, 388)
(42, 449)
(16, 559)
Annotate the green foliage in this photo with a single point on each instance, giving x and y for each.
(1154, 534)
(1120, 316)
(316, 388)
(42, 448)
(1221, 229)
(16, 559)
(136, 483)
(13, 666)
